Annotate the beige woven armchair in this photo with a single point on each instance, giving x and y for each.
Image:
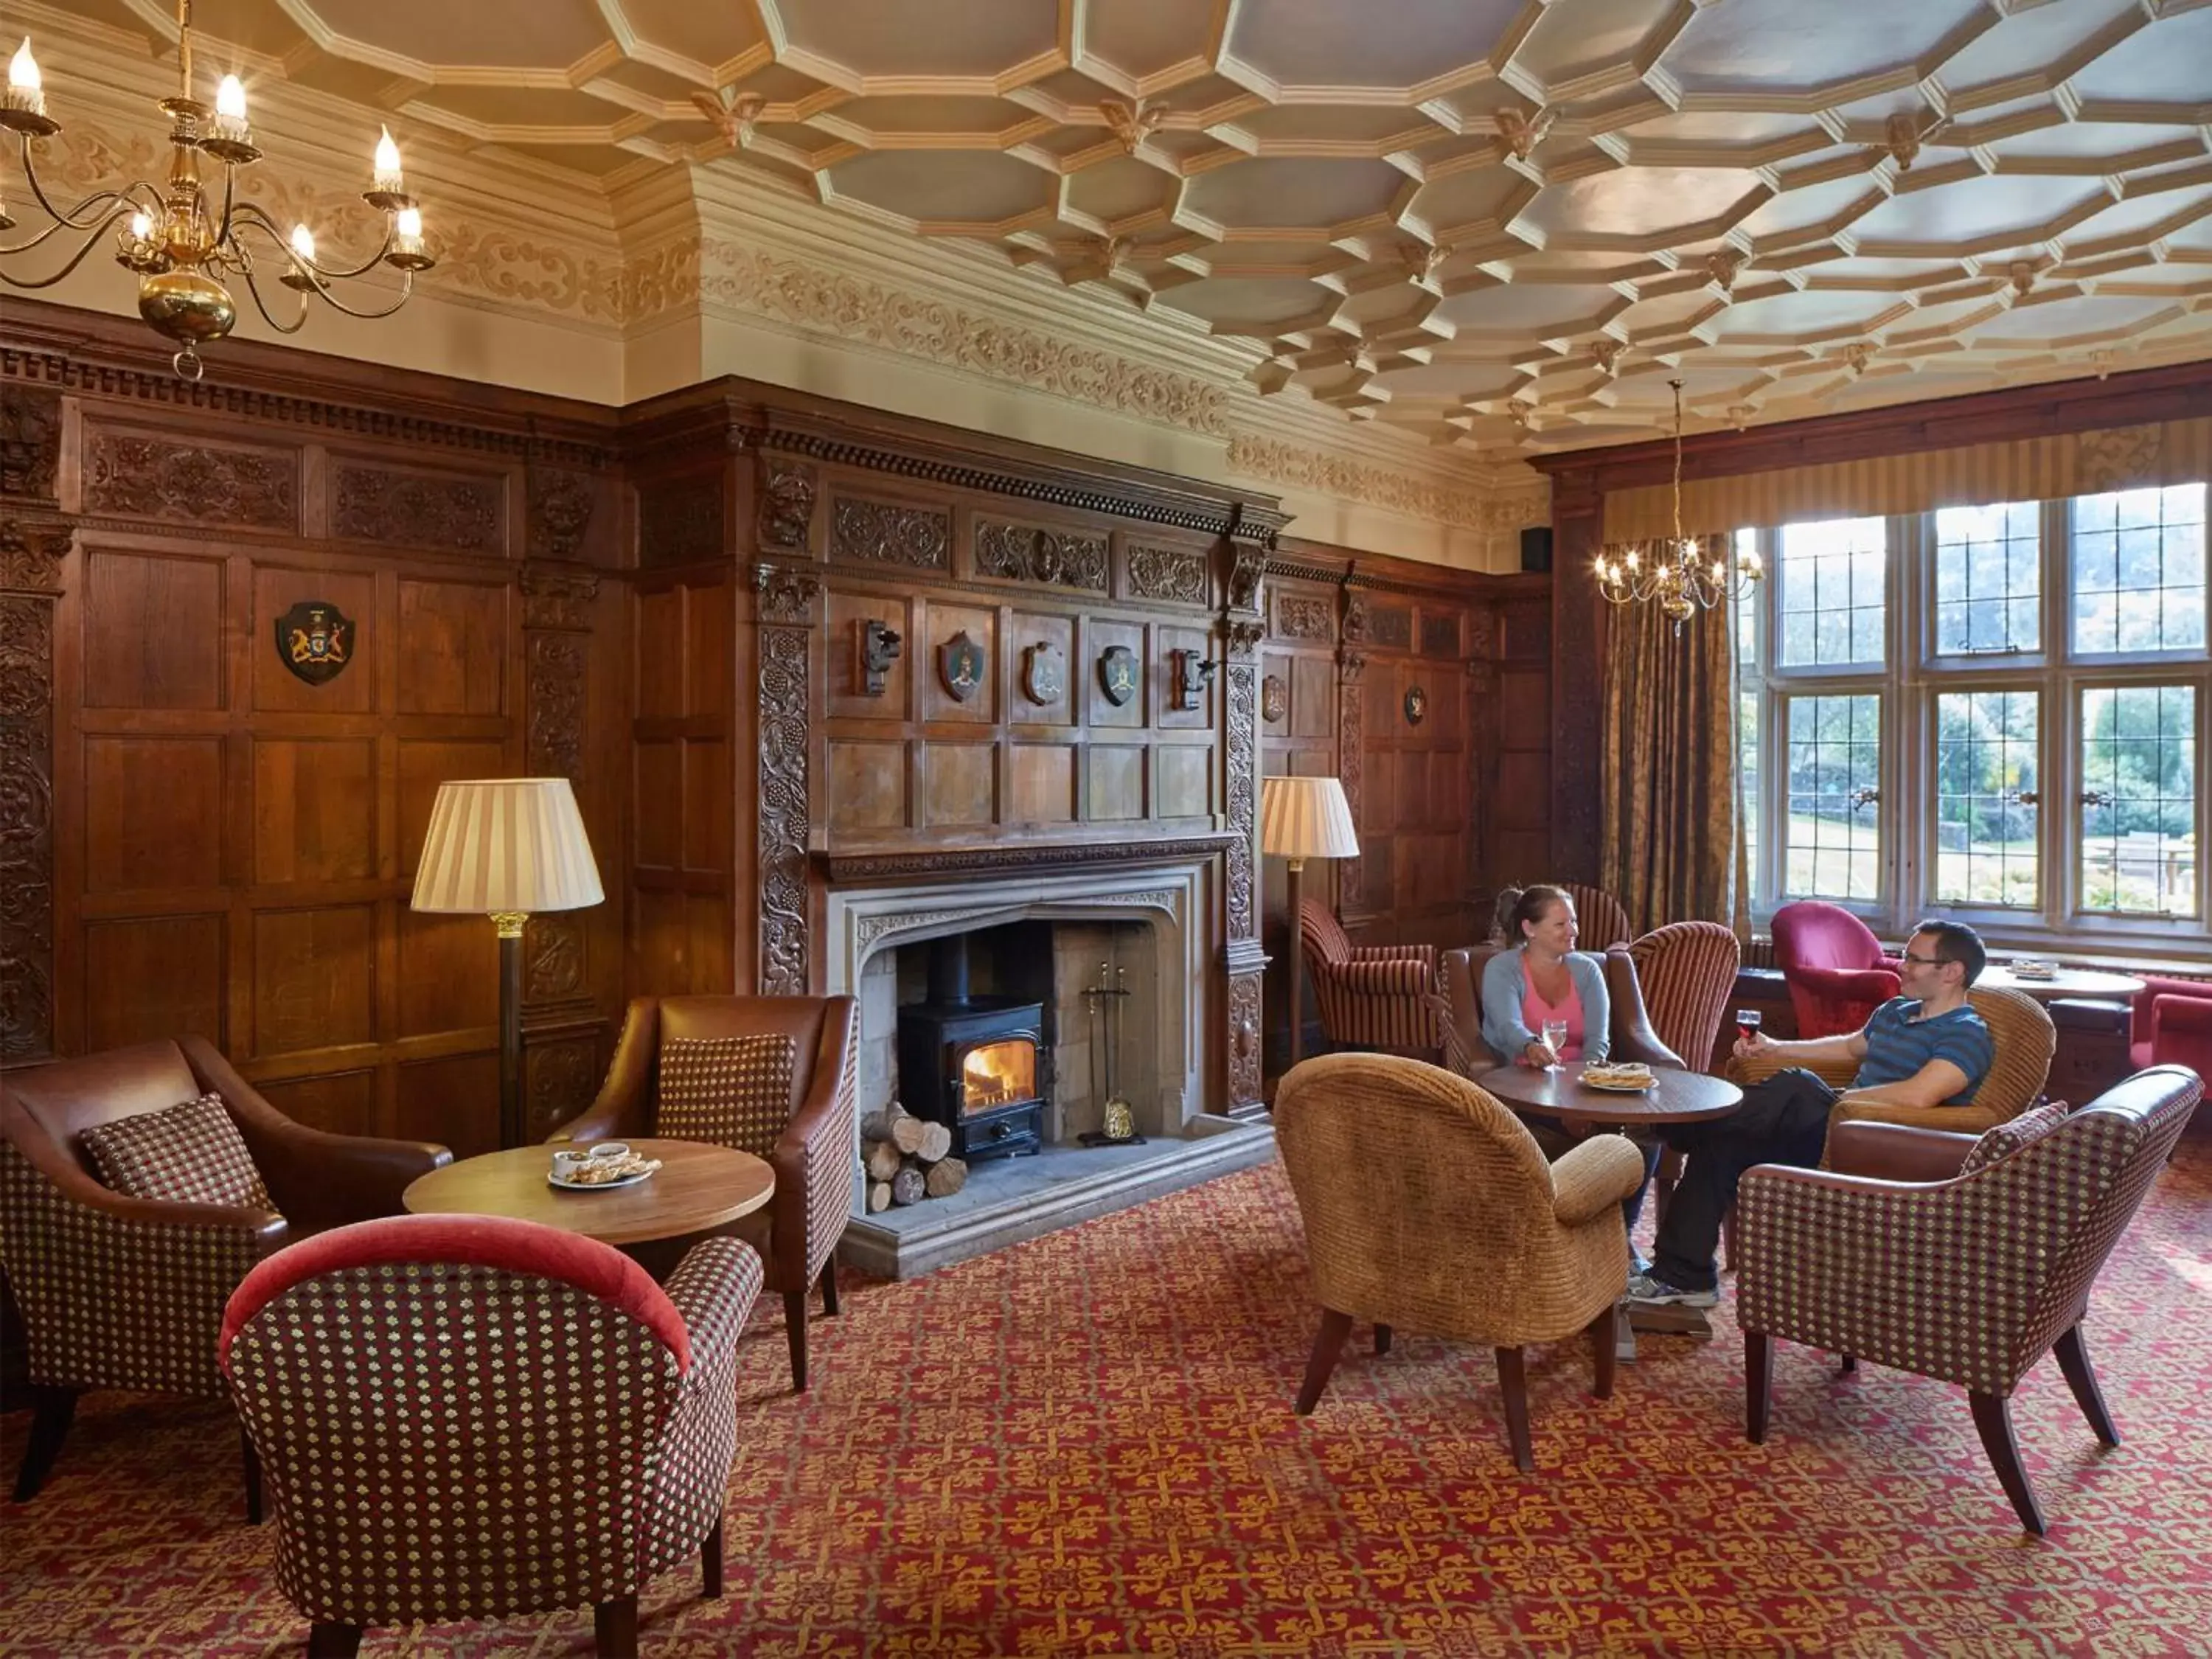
(1428, 1207)
(2024, 1041)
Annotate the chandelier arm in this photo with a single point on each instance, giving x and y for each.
(94, 206)
(254, 287)
(93, 234)
(252, 213)
(406, 288)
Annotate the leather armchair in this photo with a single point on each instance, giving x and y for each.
(1428, 1207)
(1970, 1278)
(2171, 1025)
(1457, 1010)
(121, 1292)
(429, 1464)
(1833, 966)
(813, 1155)
(1369, 996)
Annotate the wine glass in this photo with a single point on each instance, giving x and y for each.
(1555, 1038)
(1747, 1022)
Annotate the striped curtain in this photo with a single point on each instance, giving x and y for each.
(1668, 846)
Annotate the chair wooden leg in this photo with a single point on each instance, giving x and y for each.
(53, 1410)
(1993, 1417)
(252, 1463)
(1605, 1338)
(829, 1288)
(334, 1641)
(2074, 1360)
(794, 1332)
(614, 1628)
(1728, 1240)
(1328, 1343)
(1758, 1384)
(1382, 1339)
(1513, 1382)
(1850, 1364)
(710, 1561)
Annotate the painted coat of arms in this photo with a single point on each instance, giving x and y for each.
(960, 664)
(315, 641)
(1117, 674)
(1417, 705)
(1044, 673)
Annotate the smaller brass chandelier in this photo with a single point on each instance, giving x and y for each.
(182, 243)
(1681, 575)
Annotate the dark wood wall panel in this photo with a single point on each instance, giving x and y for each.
(153, 630)
(157, 976)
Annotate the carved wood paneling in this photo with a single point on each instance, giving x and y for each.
(556, 598)
(862, 531)
(788, 491)
(30, 442)
(1246, 567)
(1242, 757)
(554, 742)
(1351, 771)
(553, 956)
(1303, 616)
(1390, 627)
(1173, 573)
(786, 604)
(559, 1080)
(31, 555)
(561, 503)
(1025, 553)
(679, 520)
(151, 477)
(1244, 1044)
(418, 509)
(1440, 635)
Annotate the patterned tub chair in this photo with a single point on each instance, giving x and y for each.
(1960, 1258)
(1375, 996)
(467, 1417)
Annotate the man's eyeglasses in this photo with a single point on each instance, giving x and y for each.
(1925, 962)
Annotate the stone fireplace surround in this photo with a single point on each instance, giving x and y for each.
(1009, 1199)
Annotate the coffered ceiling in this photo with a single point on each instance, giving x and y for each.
(1503, 225)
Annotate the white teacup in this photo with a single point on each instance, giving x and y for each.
(612, 1150)
(569, 1160)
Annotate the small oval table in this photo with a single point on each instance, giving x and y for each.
(1679, 1097)
(698, 1189)
(2089, 983)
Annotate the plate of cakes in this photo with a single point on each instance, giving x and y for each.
(1623, 1077)
(599, 1169)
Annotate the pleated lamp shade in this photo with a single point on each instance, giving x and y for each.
(506, 844)
(1306, 819)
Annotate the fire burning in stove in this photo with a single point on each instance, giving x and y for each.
(998, 1074)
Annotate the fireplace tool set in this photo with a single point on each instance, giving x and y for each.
(1107, 999)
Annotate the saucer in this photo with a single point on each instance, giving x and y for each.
(631, 1180)
(1627, 1083)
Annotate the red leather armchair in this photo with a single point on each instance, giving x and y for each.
(1833, 966)
(2172, 1025)
(121, 1292)
(811, 1138)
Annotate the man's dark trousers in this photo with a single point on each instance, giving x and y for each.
(1783, 1119)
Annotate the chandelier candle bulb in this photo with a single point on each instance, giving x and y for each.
(26, 97)
(303, 243)
(388, 177)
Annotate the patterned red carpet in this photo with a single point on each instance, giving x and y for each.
(1086, 1446)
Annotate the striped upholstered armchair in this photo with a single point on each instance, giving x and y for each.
(1688, 970)
(466, 1417)
(1963, 1259)
(1370, 996)
(1600, 919)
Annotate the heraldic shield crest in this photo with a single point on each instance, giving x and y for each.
(1117, 674)
(1044, 673)
(315, 641)
(960, 664)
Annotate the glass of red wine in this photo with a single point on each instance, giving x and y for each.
(1747, 1022)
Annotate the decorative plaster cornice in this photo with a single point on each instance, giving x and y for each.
(1439, 500)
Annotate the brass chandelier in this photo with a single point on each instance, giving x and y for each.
(181, 242)
(1681, 575)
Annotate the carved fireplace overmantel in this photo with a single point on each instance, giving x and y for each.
(851, 869)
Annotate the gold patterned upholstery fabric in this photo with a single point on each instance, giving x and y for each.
(188, 1153)
(1428, 1207)
(1688, 970)
(450, 1439)
(729, 1091)
(2023, 1040)
(1970, 1280)
(1368, 996)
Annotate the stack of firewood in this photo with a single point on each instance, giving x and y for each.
(907, 1158)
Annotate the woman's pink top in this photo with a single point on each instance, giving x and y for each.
(1535, 1011)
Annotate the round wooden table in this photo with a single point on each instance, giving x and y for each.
(2087, 982)
(697, 1189)
(1679, 1097)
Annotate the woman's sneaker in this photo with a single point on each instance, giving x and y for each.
(1643, 1287)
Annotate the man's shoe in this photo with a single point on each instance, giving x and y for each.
(1657, 1292)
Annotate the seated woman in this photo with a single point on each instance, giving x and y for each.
(1542, 980)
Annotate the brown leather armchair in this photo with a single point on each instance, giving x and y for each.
(121, 1292)
(1458, 1012)
(813, 1144)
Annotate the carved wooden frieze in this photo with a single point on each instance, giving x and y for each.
(786, 596)
(1440, 635)
(1351, 768)
(562, 502)
(1303, 616)
(1244, 1046)
(1173, 573)
(862, 531)
(1482, 633)
(555, 738)
(1243, 791)
(559, 1080)
(31, 556)
(30, 442)
(553, 956)
(420, 509)
(148, 477)
(1022, 553)
(679, 520)
(787, 489)
(1355, 618)
(1391, 627)
(785, 948)
(1246, 566)
(556, 597)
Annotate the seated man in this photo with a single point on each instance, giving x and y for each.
(1925, 1048)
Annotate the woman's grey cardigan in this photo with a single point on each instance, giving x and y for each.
(1505, 986)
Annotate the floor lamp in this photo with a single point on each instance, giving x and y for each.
(1302, 819)
(508, 848)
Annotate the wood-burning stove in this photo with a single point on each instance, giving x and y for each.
(972, 1063)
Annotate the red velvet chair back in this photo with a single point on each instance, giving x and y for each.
(1833, 966)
